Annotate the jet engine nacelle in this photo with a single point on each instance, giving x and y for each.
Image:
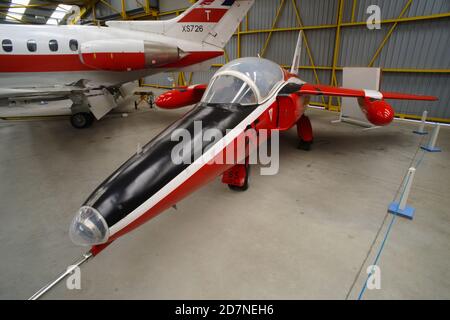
(378, 112)
(179, 98)
(124, 54)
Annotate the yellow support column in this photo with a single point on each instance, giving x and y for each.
(263, 51)
(225, 53)
(124, 10)
(353, 10)
(83, 11)
(336, 48)
(181, 79)
(305, 40)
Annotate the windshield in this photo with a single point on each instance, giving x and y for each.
(264, 73)
(229, 89)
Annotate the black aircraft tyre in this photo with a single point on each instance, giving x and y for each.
(304, 145)
(81, 120)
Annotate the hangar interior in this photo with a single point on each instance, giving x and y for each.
(309, 232)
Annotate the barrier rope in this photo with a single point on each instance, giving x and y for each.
(372, 246)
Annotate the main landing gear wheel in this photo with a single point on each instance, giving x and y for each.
(245, 186)
(304, 145)
(304, 132)
(81, 120)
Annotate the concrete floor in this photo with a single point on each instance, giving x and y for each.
(302, 234)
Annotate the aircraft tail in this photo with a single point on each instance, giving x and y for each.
(297, 54)
(207, 21)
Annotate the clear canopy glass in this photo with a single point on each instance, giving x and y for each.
(244, 81)
(229, 89)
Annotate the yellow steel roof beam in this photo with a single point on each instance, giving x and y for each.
(336, 47)
(305, 39)
(83, 11)
(388, 35)
(274, 24)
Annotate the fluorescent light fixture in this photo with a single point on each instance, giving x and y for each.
(59, 13)
(17, 13)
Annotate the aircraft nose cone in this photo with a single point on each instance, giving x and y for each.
(88, 228)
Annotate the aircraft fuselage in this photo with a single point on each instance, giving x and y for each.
(41, 56)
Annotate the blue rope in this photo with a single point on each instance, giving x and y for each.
(378, 256)
(421, 159)
(388, 231)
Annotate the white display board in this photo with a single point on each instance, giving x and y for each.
(358, 78)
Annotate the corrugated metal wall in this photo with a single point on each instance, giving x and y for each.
(421, 44)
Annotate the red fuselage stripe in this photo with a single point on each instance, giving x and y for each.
(115, 61)
(204, 15)
(41, 63)
(72, 63)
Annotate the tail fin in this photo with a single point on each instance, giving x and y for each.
(210, 21)
(207, 21)
(298, 52)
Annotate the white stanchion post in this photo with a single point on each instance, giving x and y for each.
(401, 208)
(431, 147)
(405, 195)
(422, 124)
(434, 136)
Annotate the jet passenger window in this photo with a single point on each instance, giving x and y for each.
(31, 45)
(7, 45)
(53, 45)
(73, 44)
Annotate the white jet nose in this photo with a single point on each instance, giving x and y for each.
(88, 228)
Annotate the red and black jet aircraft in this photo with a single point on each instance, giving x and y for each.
(247, 93)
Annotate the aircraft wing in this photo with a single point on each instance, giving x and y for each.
(319, 90)
(372, 102)
(38, 92)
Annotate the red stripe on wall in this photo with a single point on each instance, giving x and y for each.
(204, 15)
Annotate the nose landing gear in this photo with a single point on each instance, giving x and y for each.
(237, 177)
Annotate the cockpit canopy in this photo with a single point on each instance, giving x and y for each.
(245, 81)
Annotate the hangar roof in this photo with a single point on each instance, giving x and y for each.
(36, 11)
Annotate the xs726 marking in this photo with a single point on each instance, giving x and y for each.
(192, 28)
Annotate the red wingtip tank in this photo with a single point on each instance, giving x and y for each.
(381, 113)
(182, 97)
(378, 112)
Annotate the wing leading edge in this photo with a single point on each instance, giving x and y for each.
(318, 90)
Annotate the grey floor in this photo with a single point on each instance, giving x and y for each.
(305, 233)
